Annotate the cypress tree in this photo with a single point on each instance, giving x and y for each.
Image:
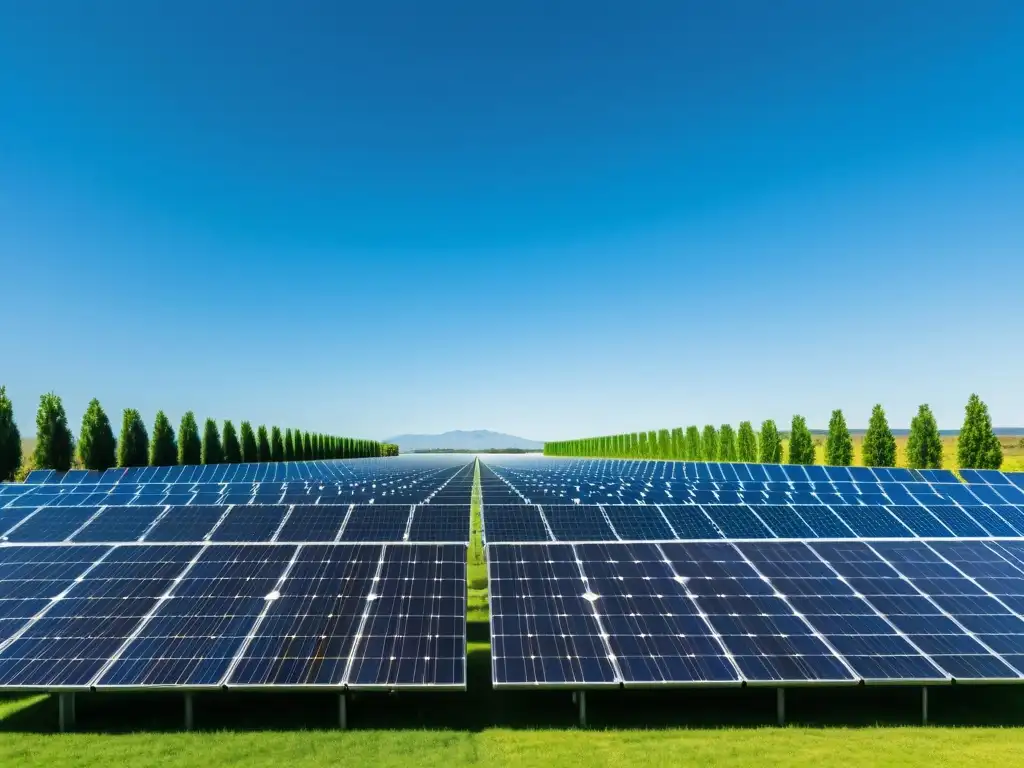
(163, 452)
(879, 444)
(727, 443)
(10, 439)
(801, 444)
(839, 444)
(652, 444)
(96, 447)
(289, 445)
(664, 444)
(924, 446)
(190, 449)
(709, 443)
(642, 445)
(262, 444)
(212, 452)
(746, 443)
(978, 446)
(232, 448)
(276, 444)
(678, 444)
(250, 454)
(318, 446)
(54, 444)
(694, 452)
(771, 443)
(133, 446)
(300, 446)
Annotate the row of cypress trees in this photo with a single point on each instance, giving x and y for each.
(97, 448)
(978, 446)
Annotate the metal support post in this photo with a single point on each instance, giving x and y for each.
(924, 705)
(65, 711)
(189, 720)
(780, 706)
(342, 712)
(581, 699)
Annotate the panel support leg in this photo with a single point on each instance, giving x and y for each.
(65, 711)
(780, 706)
(189, 720)
(342, 712)
(581, 700)
(924, 705)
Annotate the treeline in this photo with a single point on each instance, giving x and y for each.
(977, 448)
(97, 448)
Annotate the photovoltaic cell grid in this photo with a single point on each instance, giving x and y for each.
(195, 616)
(919, 580)
(268, 523)
(757, 612)
(666, 522)
(254, 594)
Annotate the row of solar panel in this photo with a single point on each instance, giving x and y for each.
(597, 471)
(339, 470)
(819, 493)
(226, 523)
(700, 522)
(767, 612)
(358, 616)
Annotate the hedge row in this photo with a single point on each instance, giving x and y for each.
(977, 448)
(97, 449)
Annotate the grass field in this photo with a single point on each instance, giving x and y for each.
(856, 726)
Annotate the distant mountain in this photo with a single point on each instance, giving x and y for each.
(461, 440)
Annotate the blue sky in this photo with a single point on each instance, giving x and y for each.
(548, 218)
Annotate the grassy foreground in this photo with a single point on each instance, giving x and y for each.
(860, 726)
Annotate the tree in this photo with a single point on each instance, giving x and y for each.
(232, 448)
(133, 446)
(307, 447)
(190, 450)
(642, 448)
(678, 444)
(250, 450)
(801, 444)
(693, 445)
(212, 451)
(10, 439)
(289, 446)
(838, 444)
(300, 445)
(163, 452)
(746, 443)
(978, 446)
(54, 444)
(879, 445)
(709, 443)
(276, 444)
(96, 447)
(262, 444)
(727, 443)
(924, 446)
(771, 443)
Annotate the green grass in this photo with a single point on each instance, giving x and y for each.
(836, 727)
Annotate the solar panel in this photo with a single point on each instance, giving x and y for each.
(71, 638)
(192, 636)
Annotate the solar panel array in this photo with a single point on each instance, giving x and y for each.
(246, 593)
(651, 587)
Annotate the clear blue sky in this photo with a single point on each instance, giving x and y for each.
(547, 218)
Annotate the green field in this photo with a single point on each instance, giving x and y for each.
(856, 726)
